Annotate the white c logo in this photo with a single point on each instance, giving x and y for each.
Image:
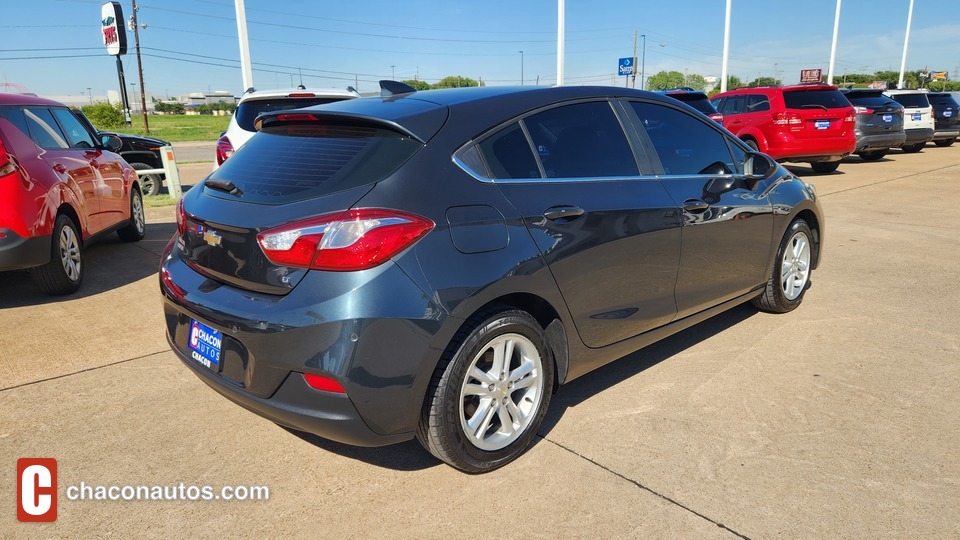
(35, 476)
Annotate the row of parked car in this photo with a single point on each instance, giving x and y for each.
(821, 124)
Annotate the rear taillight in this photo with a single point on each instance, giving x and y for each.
(327, 384)
(787, 119)
(224, 150)
(851, 118)
(862, 110)
(181, 218)
(717, 117)
(345, 241)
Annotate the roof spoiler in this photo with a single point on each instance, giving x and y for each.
(303, 117)
(394, 88)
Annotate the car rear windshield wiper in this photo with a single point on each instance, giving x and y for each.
(223, 185)
(813, 106)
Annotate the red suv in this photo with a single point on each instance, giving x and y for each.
(61, 186)
(811, 123)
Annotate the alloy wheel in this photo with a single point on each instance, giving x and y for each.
(795, 266)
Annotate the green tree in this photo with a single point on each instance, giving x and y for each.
(103, 115)
(763, 81)
(419, 85)
(695, 81)
(735, 82)
(455, 81)
(665, 80)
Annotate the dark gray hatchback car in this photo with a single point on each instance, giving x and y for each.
(435, 264)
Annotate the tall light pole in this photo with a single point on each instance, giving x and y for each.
(143, 94)
(245, 68)
(521, 68)
(726, 50)
(833, 48)
(906, 40)
(643, 63)
(560, 17)
(393, 73)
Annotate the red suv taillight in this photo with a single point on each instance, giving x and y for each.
(224, 149)
(787, 119)
(717, 117)
(344, 241)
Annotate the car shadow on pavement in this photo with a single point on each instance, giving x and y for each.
(805, 171)
(405, 456)
(109, 264)
(579, 390)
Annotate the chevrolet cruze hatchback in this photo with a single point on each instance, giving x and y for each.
(436, 264)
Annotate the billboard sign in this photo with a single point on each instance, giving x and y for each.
(811, 75)
(625, 67)
(113, 30)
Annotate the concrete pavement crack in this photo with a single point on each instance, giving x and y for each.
(645, 488)
(118, 362)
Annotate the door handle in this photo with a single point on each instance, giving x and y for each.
(695, 206)
(566, 213)
(59, 168)
(736, 122)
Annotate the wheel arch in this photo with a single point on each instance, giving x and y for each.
(68, 210)
(813, 222)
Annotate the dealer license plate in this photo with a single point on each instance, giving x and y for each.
(916, 116)
(887, 118)
(947, 114)
(822, 124)
(205, 344)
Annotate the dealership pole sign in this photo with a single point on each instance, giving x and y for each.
(113, 29)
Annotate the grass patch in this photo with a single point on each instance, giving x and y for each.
(179, 127)
(157, 201)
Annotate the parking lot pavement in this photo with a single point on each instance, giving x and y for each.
(836, 420)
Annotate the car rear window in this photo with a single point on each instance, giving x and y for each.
(248, 111)
(912, 100)
(815, 99)
(288, 163)
(697, 101)
(943, 100)
(869, 99)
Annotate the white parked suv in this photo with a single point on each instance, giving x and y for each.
(917, 118)
(255, 102)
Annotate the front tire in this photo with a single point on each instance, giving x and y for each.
(944, 142)
(64, 273)
(485, 403)
(873, 155)
(913, 148)
(137, 227)
(824, 167)
(791, 271)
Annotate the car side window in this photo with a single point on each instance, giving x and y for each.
(508, 154)
(734, 105)
(757, 103)
(685, 144)
(44, 130)
(77, 135)
(580, 141)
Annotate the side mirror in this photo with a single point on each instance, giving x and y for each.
(757, 166)
(110, 141)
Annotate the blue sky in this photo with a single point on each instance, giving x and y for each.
(191, 45)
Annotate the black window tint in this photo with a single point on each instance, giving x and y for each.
(734, 105)
(685, 144)
(290, 163)
(248, 111)
(581, 140)
(77, 135)
(44, 129)
(869, 100)
(758, 103)
(15, 116)
(943, 101)
(911, 100)
(815, 99)
(508, 154)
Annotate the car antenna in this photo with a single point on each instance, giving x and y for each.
(394, 88)
(301, 86)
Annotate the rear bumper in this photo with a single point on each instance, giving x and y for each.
(880, 141)
(19, 253)
(946, 133)
(788, 148)
(918, 135)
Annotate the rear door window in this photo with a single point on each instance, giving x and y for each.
(581, 140)
(758, 103)
(287, 163)
(15, 116)
(77, 134)
(734, 105)
(44, 130)
(815, 99)
(685, 144)
(507, 154)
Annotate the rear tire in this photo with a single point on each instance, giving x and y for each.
(824, 167)
(137, 227)
(149, 183)
(872, 155)
(944, 142)
(752, 144)
(64, 273)
(790, 278)
(913, 148)
(487, 400)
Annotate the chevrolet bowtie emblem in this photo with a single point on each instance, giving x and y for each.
(212, 238)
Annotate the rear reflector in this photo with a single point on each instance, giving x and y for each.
(344, 241)
(296, 117)
(319, 382)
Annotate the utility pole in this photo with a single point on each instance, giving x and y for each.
(643, 63)
(560, 37)
(634, 84)
(143, 93)
(833, 48)
(906, 40)
(521, 68)
(245, 68)
(726, 50)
